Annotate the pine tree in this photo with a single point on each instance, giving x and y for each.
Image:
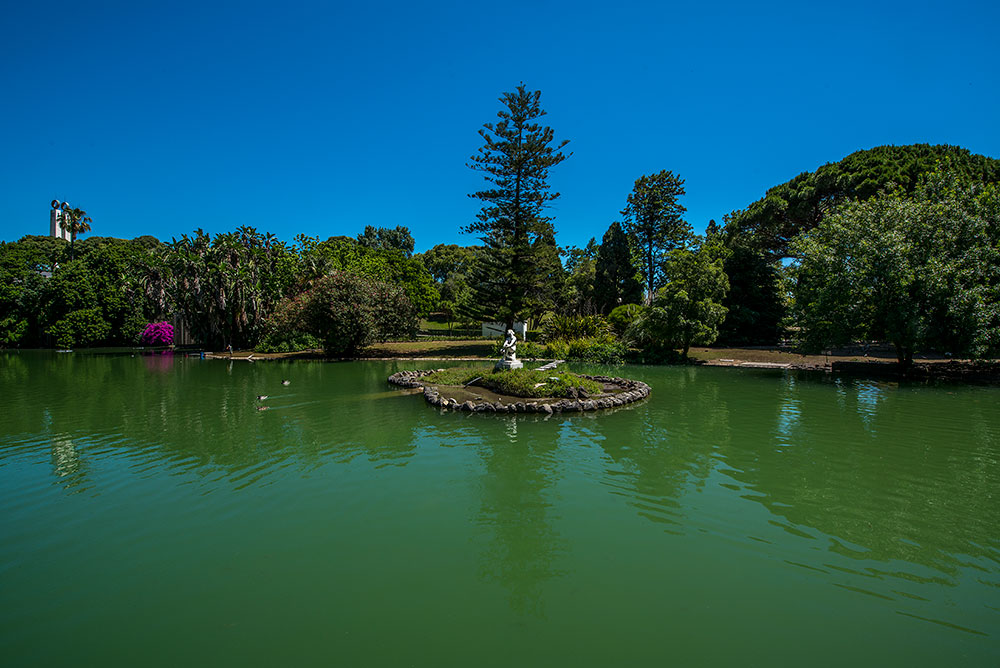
(615, 280)
(654, 224)
(512, 280)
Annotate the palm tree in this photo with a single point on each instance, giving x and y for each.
(74, 221)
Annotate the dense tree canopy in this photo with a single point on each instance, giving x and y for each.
(800, 204)
(759, 235)
(97, 292)
(347, 312)
(446, 259)
(899, 244)
(920, 271)
(223, 287)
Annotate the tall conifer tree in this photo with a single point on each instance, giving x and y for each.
(615, 279)
(514, 277)
(653, 221)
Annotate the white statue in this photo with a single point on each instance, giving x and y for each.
(509, 347)
(508, 350)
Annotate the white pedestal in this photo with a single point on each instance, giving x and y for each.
(512, 363)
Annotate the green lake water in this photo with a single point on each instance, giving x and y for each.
(150, 515)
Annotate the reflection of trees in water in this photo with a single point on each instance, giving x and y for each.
(889, 472)
(201, 416)
(667, 445)
(519, 472)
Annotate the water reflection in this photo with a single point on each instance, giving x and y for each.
(882, 473)
(183, 414)
(880, 488)
(665, 449)
(886, 491)
(515, 508)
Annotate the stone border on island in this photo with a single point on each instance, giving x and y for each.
(631, 391)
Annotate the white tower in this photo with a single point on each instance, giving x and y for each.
(55, 222)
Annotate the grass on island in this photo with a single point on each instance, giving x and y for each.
(518, 382)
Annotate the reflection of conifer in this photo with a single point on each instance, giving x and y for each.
(515, 508)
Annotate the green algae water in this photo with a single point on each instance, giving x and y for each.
(151, 515)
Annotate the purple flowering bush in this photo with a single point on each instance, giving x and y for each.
(158, 334)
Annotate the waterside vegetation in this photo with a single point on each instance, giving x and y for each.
(896, 244)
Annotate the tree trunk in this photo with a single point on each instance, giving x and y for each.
(904, 356)
(649, 274)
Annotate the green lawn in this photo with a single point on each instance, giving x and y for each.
(469, 348)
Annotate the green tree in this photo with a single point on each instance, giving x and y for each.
(510, 281)
(759, 235)
(578, 296)
(397, 238)
(81, 327)
(120, 269)
(445, 259)
(615, 281)
(654, 223)
(919, 271)
(756, 308)
(26, 266)
(688, 309)
(347, 312)
(384, 264)
(226, 286)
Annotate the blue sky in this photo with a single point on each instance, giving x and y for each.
(321, 118)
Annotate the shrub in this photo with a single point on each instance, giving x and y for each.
(80, 327)
(283, 331)
(558, 350)
(157, 334)
(622, 317)
(287, 341)
(568, 327)
(599, 350)
(12, 329)
(346, 312)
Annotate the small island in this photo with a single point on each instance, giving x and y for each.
(482, 390)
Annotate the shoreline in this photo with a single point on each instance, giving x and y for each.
(879, 365)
